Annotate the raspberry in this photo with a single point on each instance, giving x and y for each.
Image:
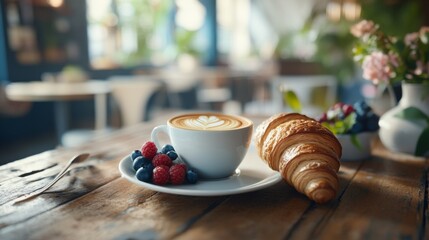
(177, 174)
(161, 159)
(323, 118)
(161, 175)
(181, 165)
(149, 150)
(347, 109)
(338, 105)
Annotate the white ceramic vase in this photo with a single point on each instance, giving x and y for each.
(401, 135)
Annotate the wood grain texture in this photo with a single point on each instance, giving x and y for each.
(379, 206)
(383, 197)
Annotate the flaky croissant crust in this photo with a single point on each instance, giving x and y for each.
(303, 151)
(272, 122)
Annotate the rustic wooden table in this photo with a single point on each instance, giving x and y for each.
(384, 197)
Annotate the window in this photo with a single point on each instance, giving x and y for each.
(129, 33)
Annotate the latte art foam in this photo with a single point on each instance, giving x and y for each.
(208, 122)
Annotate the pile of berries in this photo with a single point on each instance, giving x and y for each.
(350, 119)
(162, 167)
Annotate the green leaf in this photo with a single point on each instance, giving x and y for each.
(422, 143)
(341, 126)
(330, 127)
(291, 99)
(412, 113)
(349, 121)
(355, 141)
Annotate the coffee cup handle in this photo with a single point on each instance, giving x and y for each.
(154, 134)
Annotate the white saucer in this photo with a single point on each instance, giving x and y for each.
(251, 175)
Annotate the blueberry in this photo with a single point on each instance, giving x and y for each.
(135, 154)
(149, 166)
(166, 148)
(139, 162)
(361, 119)
(191, 176)
(361, 108)
(172, 155)
(356, 128)
(372, 122)
(146, 161)
(144, 174)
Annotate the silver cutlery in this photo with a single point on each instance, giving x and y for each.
(76, 159)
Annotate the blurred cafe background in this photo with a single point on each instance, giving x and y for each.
(71, 69)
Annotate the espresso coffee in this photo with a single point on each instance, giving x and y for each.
(209, 122)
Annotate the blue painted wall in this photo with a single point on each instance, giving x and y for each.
(40, 119)
(3, 49)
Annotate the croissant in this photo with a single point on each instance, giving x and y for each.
(303, 151)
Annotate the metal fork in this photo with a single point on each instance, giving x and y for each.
(76, 159)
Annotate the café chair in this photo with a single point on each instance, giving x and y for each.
(180, 86)
(132, 94)
(213, 98)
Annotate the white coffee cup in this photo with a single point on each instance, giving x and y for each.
(212, 144)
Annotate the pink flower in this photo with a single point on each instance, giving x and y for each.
(421, 68)
(411, 39)
(363, 28)
(386, 60)
(424, 34)
(394, 59)
(377, 67)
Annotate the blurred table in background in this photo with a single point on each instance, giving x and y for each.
(60, 93)
(217, 85)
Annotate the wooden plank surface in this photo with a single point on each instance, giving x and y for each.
(384, 197)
